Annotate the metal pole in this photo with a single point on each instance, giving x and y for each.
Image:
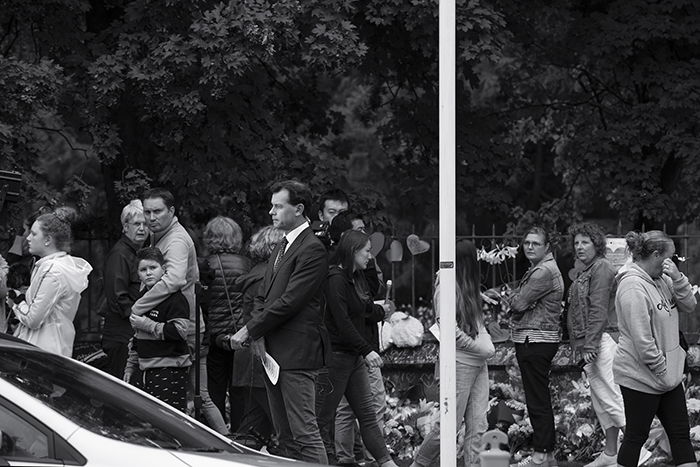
(448, 416)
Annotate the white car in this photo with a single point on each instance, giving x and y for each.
(58, 411)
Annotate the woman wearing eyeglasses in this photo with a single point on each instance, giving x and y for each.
(536, 310)
(121, 288)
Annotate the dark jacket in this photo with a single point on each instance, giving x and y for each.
(121, 289)
(247, 369)
(536, 303)
(346, 314)
(288, 307)
(171, 350)
(591, 305)
(224, 319)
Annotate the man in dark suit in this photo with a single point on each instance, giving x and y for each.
(287, 320)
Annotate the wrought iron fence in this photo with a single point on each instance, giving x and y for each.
(412, 277)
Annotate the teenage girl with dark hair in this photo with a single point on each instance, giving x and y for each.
(348, 304)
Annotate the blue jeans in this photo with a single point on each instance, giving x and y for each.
(472, 403)
(214, 418)
(292, 402)
(347, 375)
(347, 436)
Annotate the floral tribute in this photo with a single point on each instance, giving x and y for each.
(578, 432)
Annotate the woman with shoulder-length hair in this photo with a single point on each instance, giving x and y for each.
(46, 317)
(536, 309)
(348, 304)
(248, 372)
(592, 328)
(473, 348)
(223, 240)
(649, 360)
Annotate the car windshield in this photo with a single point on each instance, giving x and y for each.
(101, 405)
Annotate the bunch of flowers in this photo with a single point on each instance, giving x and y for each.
(497, 255)
(406, 423)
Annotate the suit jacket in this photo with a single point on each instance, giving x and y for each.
(288, 310)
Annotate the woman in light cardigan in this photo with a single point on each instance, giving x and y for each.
(473, 348)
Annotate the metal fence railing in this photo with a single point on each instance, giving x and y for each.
(412, 276)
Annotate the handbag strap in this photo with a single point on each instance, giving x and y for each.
(228, 298)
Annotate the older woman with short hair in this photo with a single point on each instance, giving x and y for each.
(121, 288)
(592, 328)
(223, 239)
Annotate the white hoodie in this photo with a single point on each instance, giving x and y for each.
(46, 318)
(649, 358)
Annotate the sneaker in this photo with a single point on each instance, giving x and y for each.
(603, 460)
(530, 462)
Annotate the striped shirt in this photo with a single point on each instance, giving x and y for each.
(535, 336)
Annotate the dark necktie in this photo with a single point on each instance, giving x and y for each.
(280, 254)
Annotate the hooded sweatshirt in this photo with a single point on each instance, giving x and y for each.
(649, 357)
(46, 318)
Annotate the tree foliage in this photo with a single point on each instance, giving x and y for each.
(565, 109)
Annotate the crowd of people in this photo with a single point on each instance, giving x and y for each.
(193, 328)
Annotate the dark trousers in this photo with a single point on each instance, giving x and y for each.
(535, 361)
(257, 419)
(168, 384)
(117, 353)
(292, 402)
(347, 376)
(640, 409)
(219, 369)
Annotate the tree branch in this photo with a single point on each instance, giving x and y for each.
(65, 138)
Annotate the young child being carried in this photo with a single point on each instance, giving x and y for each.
(159, 338)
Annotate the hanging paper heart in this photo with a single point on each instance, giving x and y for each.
(376, 241)
(395, 252)
(415, 245)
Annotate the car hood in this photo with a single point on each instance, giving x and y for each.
(224, 459)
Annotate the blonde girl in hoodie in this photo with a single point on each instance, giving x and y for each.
(46, 317)
(648, 363)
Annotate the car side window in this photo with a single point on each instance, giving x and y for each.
(21, 439)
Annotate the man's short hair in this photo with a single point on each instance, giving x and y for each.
(162, 193)
(336, 195)
(299, 193)
(151, 253)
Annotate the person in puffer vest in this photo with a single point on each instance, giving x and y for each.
(649, 360)
(223, 239)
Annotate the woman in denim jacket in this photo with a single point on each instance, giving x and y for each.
(591, 321)
(536, 310)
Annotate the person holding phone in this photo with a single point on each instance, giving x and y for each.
(649, 360)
